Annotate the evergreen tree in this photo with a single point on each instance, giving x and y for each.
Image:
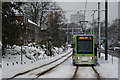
(10, 25)
(53, 32)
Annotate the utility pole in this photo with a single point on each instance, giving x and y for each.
(91, 30)
(93, 25)
(99, 26)
(106, 30)
(67, 33)
(21, 50)
(93, 22)
(72, 35)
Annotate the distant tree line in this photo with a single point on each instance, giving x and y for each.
(113, 32)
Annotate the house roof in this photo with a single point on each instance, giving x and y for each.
(32, 22)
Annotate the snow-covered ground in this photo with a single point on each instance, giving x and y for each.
(108, 68)
(33, 74)
(65, 70)
(11, 70)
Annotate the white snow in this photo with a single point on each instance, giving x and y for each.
(65, 70)
(102, 47)
(116, 48)
(60, 50)
(30, 52)
(16, 11)
(86, 72)
(32, 22)
(11, 70)
(108, 68)
(0, 73)
(0, 44)
(42, 69)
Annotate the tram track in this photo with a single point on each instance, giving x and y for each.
(23, 73)
(97, 74)
(46, 71)
(66, 57)
(75, 75)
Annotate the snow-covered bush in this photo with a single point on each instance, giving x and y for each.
(33, 52)
(43, 47)
(60, 50)
(30, 44)
(16, 49)
(9, 51)
(56, 49)
(25, 49)
(30, 56)
(8, 46)
(53, 51)
(69, 45)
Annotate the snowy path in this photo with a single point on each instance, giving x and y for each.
(66, 70)
(37, 72)
(85, 72)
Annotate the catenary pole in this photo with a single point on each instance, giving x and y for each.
(93, 22)
(106, 30)
(99, 28)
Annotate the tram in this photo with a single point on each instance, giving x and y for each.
(84, 50)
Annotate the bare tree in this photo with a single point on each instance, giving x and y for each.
(38, 11)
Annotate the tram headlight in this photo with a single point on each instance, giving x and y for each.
(78, 58)
(91, 58)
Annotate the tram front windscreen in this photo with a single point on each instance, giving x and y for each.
(85, 46)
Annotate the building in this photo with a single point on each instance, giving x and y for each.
(31, 33)
(76, 17)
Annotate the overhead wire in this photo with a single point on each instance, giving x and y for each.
(91, 15)
(79, 7)
(88, 17)
(85, 7)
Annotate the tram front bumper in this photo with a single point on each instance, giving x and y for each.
(84, 60)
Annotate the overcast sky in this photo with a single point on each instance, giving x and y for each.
(80, 4)
(112, 6)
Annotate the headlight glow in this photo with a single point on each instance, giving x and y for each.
(78, 58)
(91, 58)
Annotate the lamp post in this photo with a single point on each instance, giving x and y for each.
(21, 50)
